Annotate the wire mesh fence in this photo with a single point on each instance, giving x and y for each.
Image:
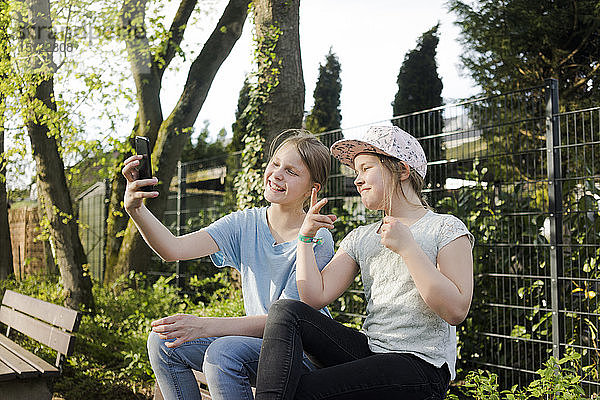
(525, 178)
(579, 283)
(200, 194)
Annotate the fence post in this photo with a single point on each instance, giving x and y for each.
(181, 180)
(555, 209)
(105, 206)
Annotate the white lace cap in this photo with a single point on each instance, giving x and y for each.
(387, 140)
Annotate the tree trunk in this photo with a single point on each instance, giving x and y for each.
(116, 222)
(173, 132)
(53, 192)
(285, 107)
(148, 84)
(117, 217)
(56, 202)
(6, 258)
(147, 76)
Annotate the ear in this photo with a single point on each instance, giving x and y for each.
(405, 172)
(317, 186)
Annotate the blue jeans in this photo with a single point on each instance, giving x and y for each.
(230, 364)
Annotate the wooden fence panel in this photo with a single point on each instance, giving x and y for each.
(29, 255)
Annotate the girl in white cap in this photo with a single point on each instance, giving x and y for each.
(417, 271)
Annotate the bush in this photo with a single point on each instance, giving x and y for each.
(559, 379)
(110, 359)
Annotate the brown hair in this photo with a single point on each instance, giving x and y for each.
(312, 152)
(397, 168)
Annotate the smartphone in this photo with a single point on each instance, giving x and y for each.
(142, 147)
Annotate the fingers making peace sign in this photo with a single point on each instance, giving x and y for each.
(313, 221)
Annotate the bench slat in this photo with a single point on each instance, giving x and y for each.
(54, 314)
(6, 373)
(56, 338)
(200, 377)
(17, 364)
(32, 359)
(205, 394)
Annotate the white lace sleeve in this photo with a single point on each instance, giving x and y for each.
(451, 229)
(348, 244)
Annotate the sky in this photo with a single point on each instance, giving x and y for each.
(370, 39)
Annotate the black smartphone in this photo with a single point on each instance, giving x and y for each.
(142, 147)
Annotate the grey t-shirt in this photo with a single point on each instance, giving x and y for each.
(268, 269)
(398, 319)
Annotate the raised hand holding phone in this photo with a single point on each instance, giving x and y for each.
(142, 148)
(135, 191)
(314, 220)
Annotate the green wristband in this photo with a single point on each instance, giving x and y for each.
(309, 239)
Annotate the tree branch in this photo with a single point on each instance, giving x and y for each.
(143, 68)
(205, 66)
(169, 144)
(169, 47)
(582, 81)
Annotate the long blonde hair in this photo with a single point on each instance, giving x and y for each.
(396, 168)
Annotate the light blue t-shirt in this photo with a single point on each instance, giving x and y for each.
(268, 269)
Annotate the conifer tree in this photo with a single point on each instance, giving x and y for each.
(516, 44)
(326, 117)
(419, 85)
(420, 88)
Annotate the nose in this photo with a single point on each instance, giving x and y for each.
(358, 180)
(277, 173)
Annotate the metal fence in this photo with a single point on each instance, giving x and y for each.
(525, 178)
(198, 197)
(93, 210)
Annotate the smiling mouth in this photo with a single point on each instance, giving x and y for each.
(275, 187)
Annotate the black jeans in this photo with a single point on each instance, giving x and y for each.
(347, 368)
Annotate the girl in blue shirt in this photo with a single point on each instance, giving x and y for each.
(258, 242)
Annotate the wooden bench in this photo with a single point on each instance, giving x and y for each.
(24, 375)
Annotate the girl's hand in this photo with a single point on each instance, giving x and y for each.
(134, 196)
(395, 235)
(313, 220)
(181, 327)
